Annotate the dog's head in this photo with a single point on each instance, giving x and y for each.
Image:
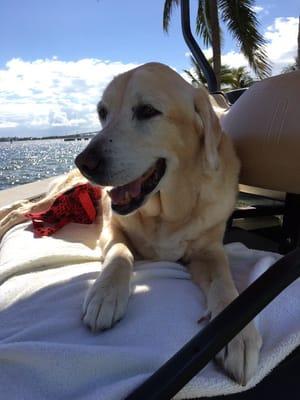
(153, 123)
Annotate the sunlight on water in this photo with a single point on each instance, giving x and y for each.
(28, 161)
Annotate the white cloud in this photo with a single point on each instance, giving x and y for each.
(8, 124)
(234, 59)
(282, 42)
(258, 9)
(231, 58)
(53, 95)
(281, 46)
(208, 53)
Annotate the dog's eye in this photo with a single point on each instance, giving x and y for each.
(102, 112)
(145, 111)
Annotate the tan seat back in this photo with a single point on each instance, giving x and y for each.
(265, 126)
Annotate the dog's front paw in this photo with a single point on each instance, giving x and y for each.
(105, 304)
(240, 357)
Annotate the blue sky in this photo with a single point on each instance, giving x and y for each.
(58, 55)
(130, 31)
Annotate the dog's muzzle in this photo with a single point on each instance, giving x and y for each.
(89, 164)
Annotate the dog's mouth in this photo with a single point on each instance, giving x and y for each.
(127, 198)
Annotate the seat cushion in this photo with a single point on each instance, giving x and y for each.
(265, 126)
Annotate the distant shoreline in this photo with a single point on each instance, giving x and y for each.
(70, 137)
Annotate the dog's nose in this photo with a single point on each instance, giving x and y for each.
(87, 162)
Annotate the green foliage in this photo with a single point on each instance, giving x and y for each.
(198, 79)
(240, 78)
(231, 78)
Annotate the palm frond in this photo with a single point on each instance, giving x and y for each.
(203, 23)
(197, 78)
(199, 74)
(168, 7)
(240, 18)
(240, 78)
(194, 80)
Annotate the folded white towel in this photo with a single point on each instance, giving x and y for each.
(47, 353)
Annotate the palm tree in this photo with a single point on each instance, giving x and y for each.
(198, 79)
(230, 78)
(240, 19)
(240, 78)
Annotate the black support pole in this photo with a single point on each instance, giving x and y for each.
(195, 49)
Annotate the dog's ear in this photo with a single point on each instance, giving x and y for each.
(208, 127)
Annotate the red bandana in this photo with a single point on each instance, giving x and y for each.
(76, 205)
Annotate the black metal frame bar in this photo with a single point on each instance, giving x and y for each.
(290, 210)
(195, 355)
(291, 224)
(195, 49)
(258, 211)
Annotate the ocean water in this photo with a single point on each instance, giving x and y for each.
(27, 161)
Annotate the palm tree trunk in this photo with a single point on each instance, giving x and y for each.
(215, 38)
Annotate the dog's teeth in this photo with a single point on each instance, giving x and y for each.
(127, 196)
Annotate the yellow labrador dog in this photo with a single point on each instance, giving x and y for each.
(173, 178)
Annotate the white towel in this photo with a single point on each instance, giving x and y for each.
(47, 353)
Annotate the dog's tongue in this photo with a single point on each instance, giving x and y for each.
(118, 195)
